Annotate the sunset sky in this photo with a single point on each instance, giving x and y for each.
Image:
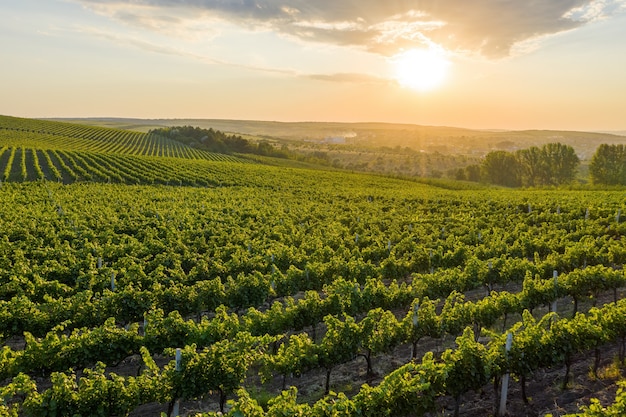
(494, 64)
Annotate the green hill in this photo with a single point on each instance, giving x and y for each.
(33, 150)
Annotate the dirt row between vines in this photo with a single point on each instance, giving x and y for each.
(543, 388)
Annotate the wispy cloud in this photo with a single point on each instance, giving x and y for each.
(172, 21)
(488, 27)
(137, 43)
(348, 78)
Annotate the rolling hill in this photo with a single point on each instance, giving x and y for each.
(445, 140)
(65, 152)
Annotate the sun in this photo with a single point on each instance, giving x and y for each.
(421, 69)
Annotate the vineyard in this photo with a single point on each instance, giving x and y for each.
(32, 150)
(292, 292)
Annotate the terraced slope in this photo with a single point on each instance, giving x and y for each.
(32, 150)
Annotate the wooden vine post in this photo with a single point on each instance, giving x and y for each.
(505, 377)
(555, 275)
(176, 409)
(416, 308)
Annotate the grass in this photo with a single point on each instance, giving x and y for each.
(613, 371)
(261, 396)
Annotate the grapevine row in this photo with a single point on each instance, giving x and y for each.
(47, 135)
(343, 298)
(280, 233)
(411, 389)
(88, 166)
(254, 289)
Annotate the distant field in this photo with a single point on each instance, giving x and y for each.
(33, 150)
(447, 140)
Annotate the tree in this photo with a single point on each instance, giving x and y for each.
(608, 165)
(552, 164)
(560, 163)
(501, 168)
(472, 173)
(532, 166)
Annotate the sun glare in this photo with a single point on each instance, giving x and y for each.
(421, 69)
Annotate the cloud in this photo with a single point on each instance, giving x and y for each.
(348, 78)
(133, 42)
(137, 43)
(173, 21)
(491, 28)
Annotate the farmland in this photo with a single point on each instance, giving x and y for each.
(368, 295)
(33, 150)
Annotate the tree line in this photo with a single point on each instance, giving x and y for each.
(217, 141)
(553, 164)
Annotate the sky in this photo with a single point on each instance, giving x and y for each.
(491, 64)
